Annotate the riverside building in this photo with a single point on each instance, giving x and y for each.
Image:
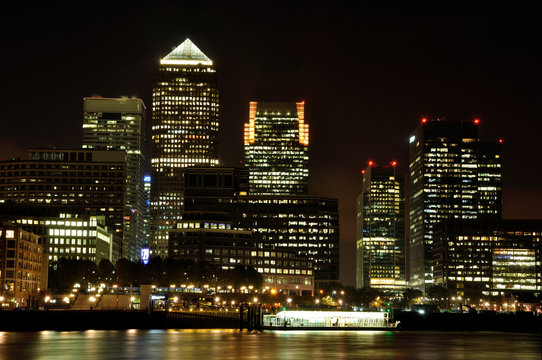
(119, 124)
(380, 247)
(63, 235)
(185, 119)
(71, 181)
(219, 243)
(23, 266)
(306, 225)
(453, 175)
(488, 257)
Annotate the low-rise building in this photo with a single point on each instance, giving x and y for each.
(23, 265)
(64, 234)
(488, 257)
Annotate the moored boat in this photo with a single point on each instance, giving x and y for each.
(327, 320)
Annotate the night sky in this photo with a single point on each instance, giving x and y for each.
(367, 74)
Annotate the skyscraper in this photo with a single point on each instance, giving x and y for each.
(277, 148)
(380, 247)
(119, 124)
(185, 116)
(449, 179)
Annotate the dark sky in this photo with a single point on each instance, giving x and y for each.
(367, 74)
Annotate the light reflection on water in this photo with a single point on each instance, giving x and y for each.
(284, 345)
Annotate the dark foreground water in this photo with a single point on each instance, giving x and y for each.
(232, 344)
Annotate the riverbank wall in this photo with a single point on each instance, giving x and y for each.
(74, 320)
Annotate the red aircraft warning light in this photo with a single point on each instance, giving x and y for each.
(500, 141)
(476, 121)
(394, 163)
(424, 120)
(371, 162)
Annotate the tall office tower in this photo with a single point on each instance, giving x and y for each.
(448, 166)
(119, 124)
(72, 181)
(277, 148)
(184, 133)
(380, 248)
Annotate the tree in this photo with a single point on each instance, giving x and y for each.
(245, 276)
(106, 272)
(437, 294)
(366, 296)
(408, 297)
(67, 272)
(130, 273)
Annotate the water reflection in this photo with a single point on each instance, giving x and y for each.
(232, 344)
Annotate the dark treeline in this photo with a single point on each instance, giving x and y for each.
(67, 272)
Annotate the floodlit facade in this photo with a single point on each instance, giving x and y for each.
(70, 181)
(63, 235)
(119, 124)
(488, 257)
(79, 237)
(277, 148)
(23, 266)
(380, 246)
(453, 175)
(185, 117)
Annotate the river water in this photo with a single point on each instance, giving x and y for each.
(284, 345)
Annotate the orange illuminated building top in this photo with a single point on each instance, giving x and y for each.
(249, 134)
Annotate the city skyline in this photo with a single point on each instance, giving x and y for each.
(477, 71)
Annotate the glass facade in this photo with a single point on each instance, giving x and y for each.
(380, 257)
(514, 269)
(277, 148)
(185, 115)
(452, 176)
(118, 124)
(307, 225)
(221, 244)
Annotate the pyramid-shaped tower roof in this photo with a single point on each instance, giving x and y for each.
(186, 54)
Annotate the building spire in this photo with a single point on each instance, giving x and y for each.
(186, 54)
